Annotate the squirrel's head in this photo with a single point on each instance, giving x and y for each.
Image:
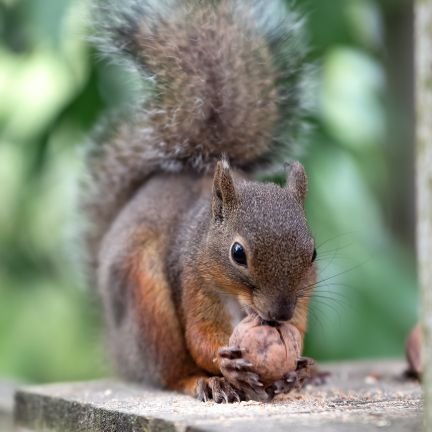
(259, 243)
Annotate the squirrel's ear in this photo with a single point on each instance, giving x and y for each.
(224, 194)
(297, 182)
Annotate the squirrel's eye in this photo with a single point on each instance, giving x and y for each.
(238, 254)
(314, 255)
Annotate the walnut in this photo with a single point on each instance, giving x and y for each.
(273, 351)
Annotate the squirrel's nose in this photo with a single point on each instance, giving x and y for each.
(282, 312)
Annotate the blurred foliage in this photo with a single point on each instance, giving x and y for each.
(53, 89)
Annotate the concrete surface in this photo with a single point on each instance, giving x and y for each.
(367, 396)
(7, 390)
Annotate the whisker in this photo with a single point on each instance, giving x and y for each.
(329, 298)
(336, 249)
(337, 301)
(320, 309)
(332, 277)
(312, 314)
(343, 298)
(334, 238)
(330, 306)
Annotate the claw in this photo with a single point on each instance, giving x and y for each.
(202, 391)
(290, 378)
(242, 365)
(248, 378)
(218, 389)
(231, 353)
(257, 382)
(304, 362)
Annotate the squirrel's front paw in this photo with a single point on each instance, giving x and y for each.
(305, 373)
(219, 390)
(240, 374)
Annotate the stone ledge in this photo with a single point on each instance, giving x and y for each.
(366, 396)
(7, 389)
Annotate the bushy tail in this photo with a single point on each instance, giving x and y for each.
(227, 77)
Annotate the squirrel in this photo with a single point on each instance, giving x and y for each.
(182, 241)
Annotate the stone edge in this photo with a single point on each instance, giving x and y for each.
(41, 412)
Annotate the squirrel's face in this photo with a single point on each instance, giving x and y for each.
(259, 242)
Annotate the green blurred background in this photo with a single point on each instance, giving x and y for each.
(53, 88)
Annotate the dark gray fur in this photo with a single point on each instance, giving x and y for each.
(228, 79)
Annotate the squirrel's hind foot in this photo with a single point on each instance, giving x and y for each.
(219, 390)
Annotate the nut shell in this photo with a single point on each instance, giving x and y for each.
(273, 351)
(413, 350)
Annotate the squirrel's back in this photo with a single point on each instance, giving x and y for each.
(227, 77)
